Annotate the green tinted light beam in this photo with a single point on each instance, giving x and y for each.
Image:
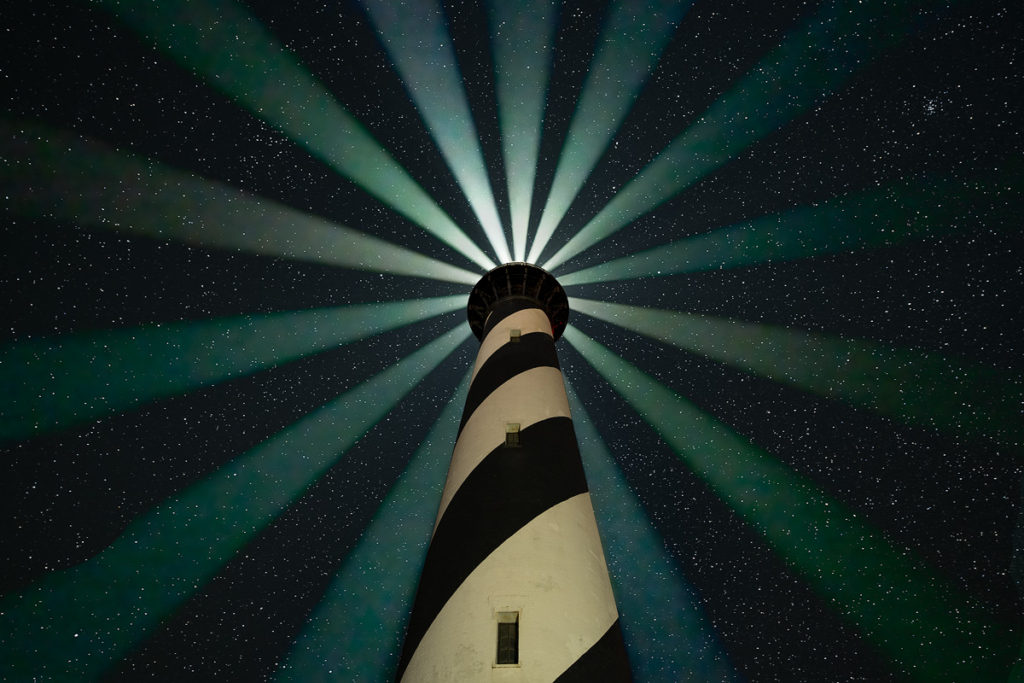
(355, 633)
(58, 175)
(235, 54)
(918, 387)
(667, 634)
(812, 62)
(73, 623)
(630, 45)
(53, 383)
(879, 218)
(522, 36)
(415, 36)
(926, 625)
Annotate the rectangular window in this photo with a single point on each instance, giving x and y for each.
(515, 335)
(508, 638)
(512, 435)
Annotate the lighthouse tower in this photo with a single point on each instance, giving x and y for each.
(515, 586)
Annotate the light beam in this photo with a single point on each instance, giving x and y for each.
(58, 175)
(878, 218)
(57, 382)
(631, 42)
(918, 387)
(522, 36)
(667, 634)
(927, 625)
(356, 631)
(72, 623)
(812, 62)
(415, 36)
(235, 54)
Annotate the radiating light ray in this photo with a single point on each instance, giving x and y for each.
(57, 382)
(631, 42)
(877, 218)
(73, 623)
(416, 38)
(812, 62)
(919, 387)
(58, 175)
(1017, 673)
(355, 633)
(522, 37)
(930, 627)
(229, 48)
(667, 635)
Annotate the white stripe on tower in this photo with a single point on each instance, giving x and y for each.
(519, 565)
(515, 586)
(485, 429)
(526, 321)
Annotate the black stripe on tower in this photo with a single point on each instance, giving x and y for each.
(507, 490)
(604, 661)
(534, 350)
(505, 308)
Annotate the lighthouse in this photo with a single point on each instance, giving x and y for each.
(515, 586)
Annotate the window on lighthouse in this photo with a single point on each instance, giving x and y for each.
(508, 638)
(512, 435)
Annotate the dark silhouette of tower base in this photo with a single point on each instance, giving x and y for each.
(515, 586)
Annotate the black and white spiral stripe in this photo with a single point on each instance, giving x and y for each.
(515, 530)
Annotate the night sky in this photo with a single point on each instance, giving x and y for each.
(790, 234)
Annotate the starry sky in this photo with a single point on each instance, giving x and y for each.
(237, 247)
